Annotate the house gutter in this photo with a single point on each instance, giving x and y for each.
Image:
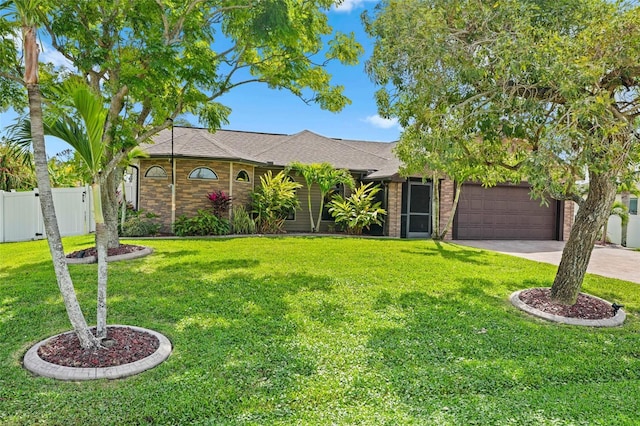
(173, 182)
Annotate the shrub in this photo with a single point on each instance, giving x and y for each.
(273, 201)
(242, 222)
(204, 223)
(139, 224)
(220, 203)
(358, 211)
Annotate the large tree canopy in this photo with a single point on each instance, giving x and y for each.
(547, 90)
(153, 60)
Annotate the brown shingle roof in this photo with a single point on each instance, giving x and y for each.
(262, 148)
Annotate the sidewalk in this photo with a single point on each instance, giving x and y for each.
(610, 261)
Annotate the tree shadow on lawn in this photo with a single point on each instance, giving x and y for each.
(452, 357)
(453, 252)
(235, 348)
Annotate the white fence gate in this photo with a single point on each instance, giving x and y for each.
(21, 217)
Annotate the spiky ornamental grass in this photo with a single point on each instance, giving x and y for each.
(319, 330)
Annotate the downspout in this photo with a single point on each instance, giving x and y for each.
(173, 182)
(231, 179)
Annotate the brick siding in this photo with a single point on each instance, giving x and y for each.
(394, 209)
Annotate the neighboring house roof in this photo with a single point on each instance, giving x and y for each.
(374, 158)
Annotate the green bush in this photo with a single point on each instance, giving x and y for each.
(242, 222)
(204, 223)
(273, 201)
(358, 211)
(139, 224)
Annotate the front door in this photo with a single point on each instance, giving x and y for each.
(419, 210)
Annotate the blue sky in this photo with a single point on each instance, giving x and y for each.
(258, 108)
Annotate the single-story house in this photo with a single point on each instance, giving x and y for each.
(194, 162)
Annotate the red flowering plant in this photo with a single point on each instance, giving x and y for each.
(220, 202)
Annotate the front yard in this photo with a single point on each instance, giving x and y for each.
(317, 331)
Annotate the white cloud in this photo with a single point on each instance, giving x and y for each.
(382, 123)
(51, 55)
(348, 5)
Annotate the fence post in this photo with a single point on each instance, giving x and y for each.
(1, 216)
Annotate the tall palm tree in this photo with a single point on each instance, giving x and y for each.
(309, 173)
(27, 13)
(83, 131)
(326, 177)
(85, 136)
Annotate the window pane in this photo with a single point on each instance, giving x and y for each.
(633, 206)
(203, 173)
(242, 176)
(156, 172)
(420, 201)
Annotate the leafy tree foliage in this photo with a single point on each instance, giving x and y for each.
(154, 60)
(544, 90)
(16, 170)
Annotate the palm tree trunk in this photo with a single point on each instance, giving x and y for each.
(313, 226)
(101, 246)
(65, 284)
(590, 218)
(320, 213)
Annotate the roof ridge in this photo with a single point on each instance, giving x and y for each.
(345, 143)
(285, 139)
(231, 130)
(211, 138)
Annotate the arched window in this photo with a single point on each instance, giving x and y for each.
(156, 172)
(242, 176)
(204, 173)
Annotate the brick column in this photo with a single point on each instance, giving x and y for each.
(569, 211)
(394, 209)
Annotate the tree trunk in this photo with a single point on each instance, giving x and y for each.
(101, 246)
(435, 214)
(454, 207)
(54, 240)
(109, 187)
(591, 216)
(625, 200)
(313, 226)
(320, 213)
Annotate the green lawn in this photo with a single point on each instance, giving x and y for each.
(319, 331)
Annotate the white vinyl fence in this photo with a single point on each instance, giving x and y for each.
(614, 230)
(21, 217)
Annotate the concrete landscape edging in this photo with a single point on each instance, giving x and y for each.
(614, 321)
(40, 367)
(126, 256)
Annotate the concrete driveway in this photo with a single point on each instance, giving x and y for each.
(611, 261)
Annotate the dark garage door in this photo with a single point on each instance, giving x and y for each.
(504, 213)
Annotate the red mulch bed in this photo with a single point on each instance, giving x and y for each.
(126, 345)
(92, 251)
(586, 307)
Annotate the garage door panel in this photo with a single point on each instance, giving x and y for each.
(503, 212)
